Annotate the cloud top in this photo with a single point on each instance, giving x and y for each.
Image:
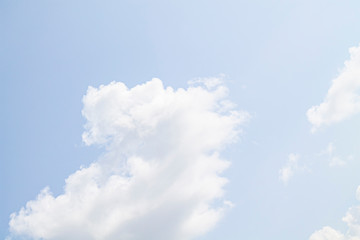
(342, 99)
(160, 175)
(352, 219)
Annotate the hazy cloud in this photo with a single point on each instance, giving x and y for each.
(288, 171)
(334, 160)
(160, 176)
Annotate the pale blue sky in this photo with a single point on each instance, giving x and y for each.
(279, 58)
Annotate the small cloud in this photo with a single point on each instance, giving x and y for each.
(288, 171)
(209, 83)
(334, 160)
(229, 204)
(329, 150)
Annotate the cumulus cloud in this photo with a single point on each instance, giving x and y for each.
(352, 219)
(160, 175)
(342, 99)
(288, 171)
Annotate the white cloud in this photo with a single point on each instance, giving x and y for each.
(287, 172)
(342, 99)
(327, 233)
(159, 178)
(352, 219)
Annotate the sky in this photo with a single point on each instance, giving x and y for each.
(180, 120)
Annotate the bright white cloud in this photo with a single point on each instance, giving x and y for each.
(342, 99)
(288, 171)
(352, 219)
(159, 178)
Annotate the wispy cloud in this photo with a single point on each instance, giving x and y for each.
(342, 99)
(160, 174)
(290, 168)
(334, 160)
(352, 219)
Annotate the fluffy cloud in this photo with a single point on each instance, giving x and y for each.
(342, 99)
(287, 172)
(160, 176)
(352, 219)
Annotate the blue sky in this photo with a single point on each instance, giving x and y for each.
(277, 58)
